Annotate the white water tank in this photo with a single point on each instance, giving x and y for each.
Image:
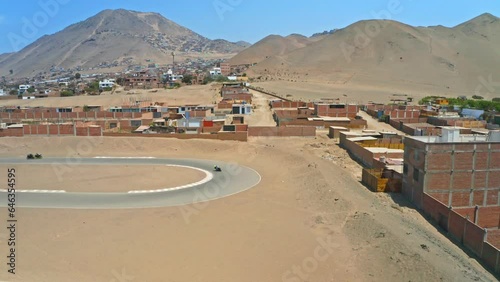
(493, 136)
(450, 135)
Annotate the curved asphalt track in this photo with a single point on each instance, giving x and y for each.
(233, 179)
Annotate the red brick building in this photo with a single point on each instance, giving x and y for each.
(336, 110)
(142, 79)
(455, 180)
(458, 170)
(225, 69)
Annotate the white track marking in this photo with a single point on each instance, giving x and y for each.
(35, 191)
(209, 176)
(103, 157)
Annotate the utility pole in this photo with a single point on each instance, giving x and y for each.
(173, 62)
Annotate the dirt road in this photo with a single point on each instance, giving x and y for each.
(262, 114)
(374, 124)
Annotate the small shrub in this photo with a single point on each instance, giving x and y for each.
(67, 93)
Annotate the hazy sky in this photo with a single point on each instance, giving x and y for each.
(24, 21)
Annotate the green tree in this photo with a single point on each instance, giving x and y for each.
(208, 79)
(78, 76)
(31, 89)
(187, 79)
(94, 85)
(120, 81)
(13, 92)
(221, 78)
(67, 93)
(11, 72)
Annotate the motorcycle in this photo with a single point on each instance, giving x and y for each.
(32, 157)
(217, 168)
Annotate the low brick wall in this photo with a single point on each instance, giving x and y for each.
(290, 104)
(230, 136)
(289, 131)
(51, 130)
(334, 132)
(463, 231)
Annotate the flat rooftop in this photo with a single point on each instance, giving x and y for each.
(339, 127)
(493, 136)
(330, 118)
(351, 134)
(361, 138)
(418, 125)
(383, 150)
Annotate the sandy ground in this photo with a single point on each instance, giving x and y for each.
(309, 219)
(105, 178)
(374, 124)
(193, 94)
(262, 114)
(361, 94)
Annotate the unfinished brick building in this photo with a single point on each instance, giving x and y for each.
(336, 110)
(458, 170)
(455, 180)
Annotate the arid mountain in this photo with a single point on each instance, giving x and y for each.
(243, 44)
(272, 45)
(326, 32)
(371, 53)
(113, 37)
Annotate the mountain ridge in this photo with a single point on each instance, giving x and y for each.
(387, 52)
(113, 38)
